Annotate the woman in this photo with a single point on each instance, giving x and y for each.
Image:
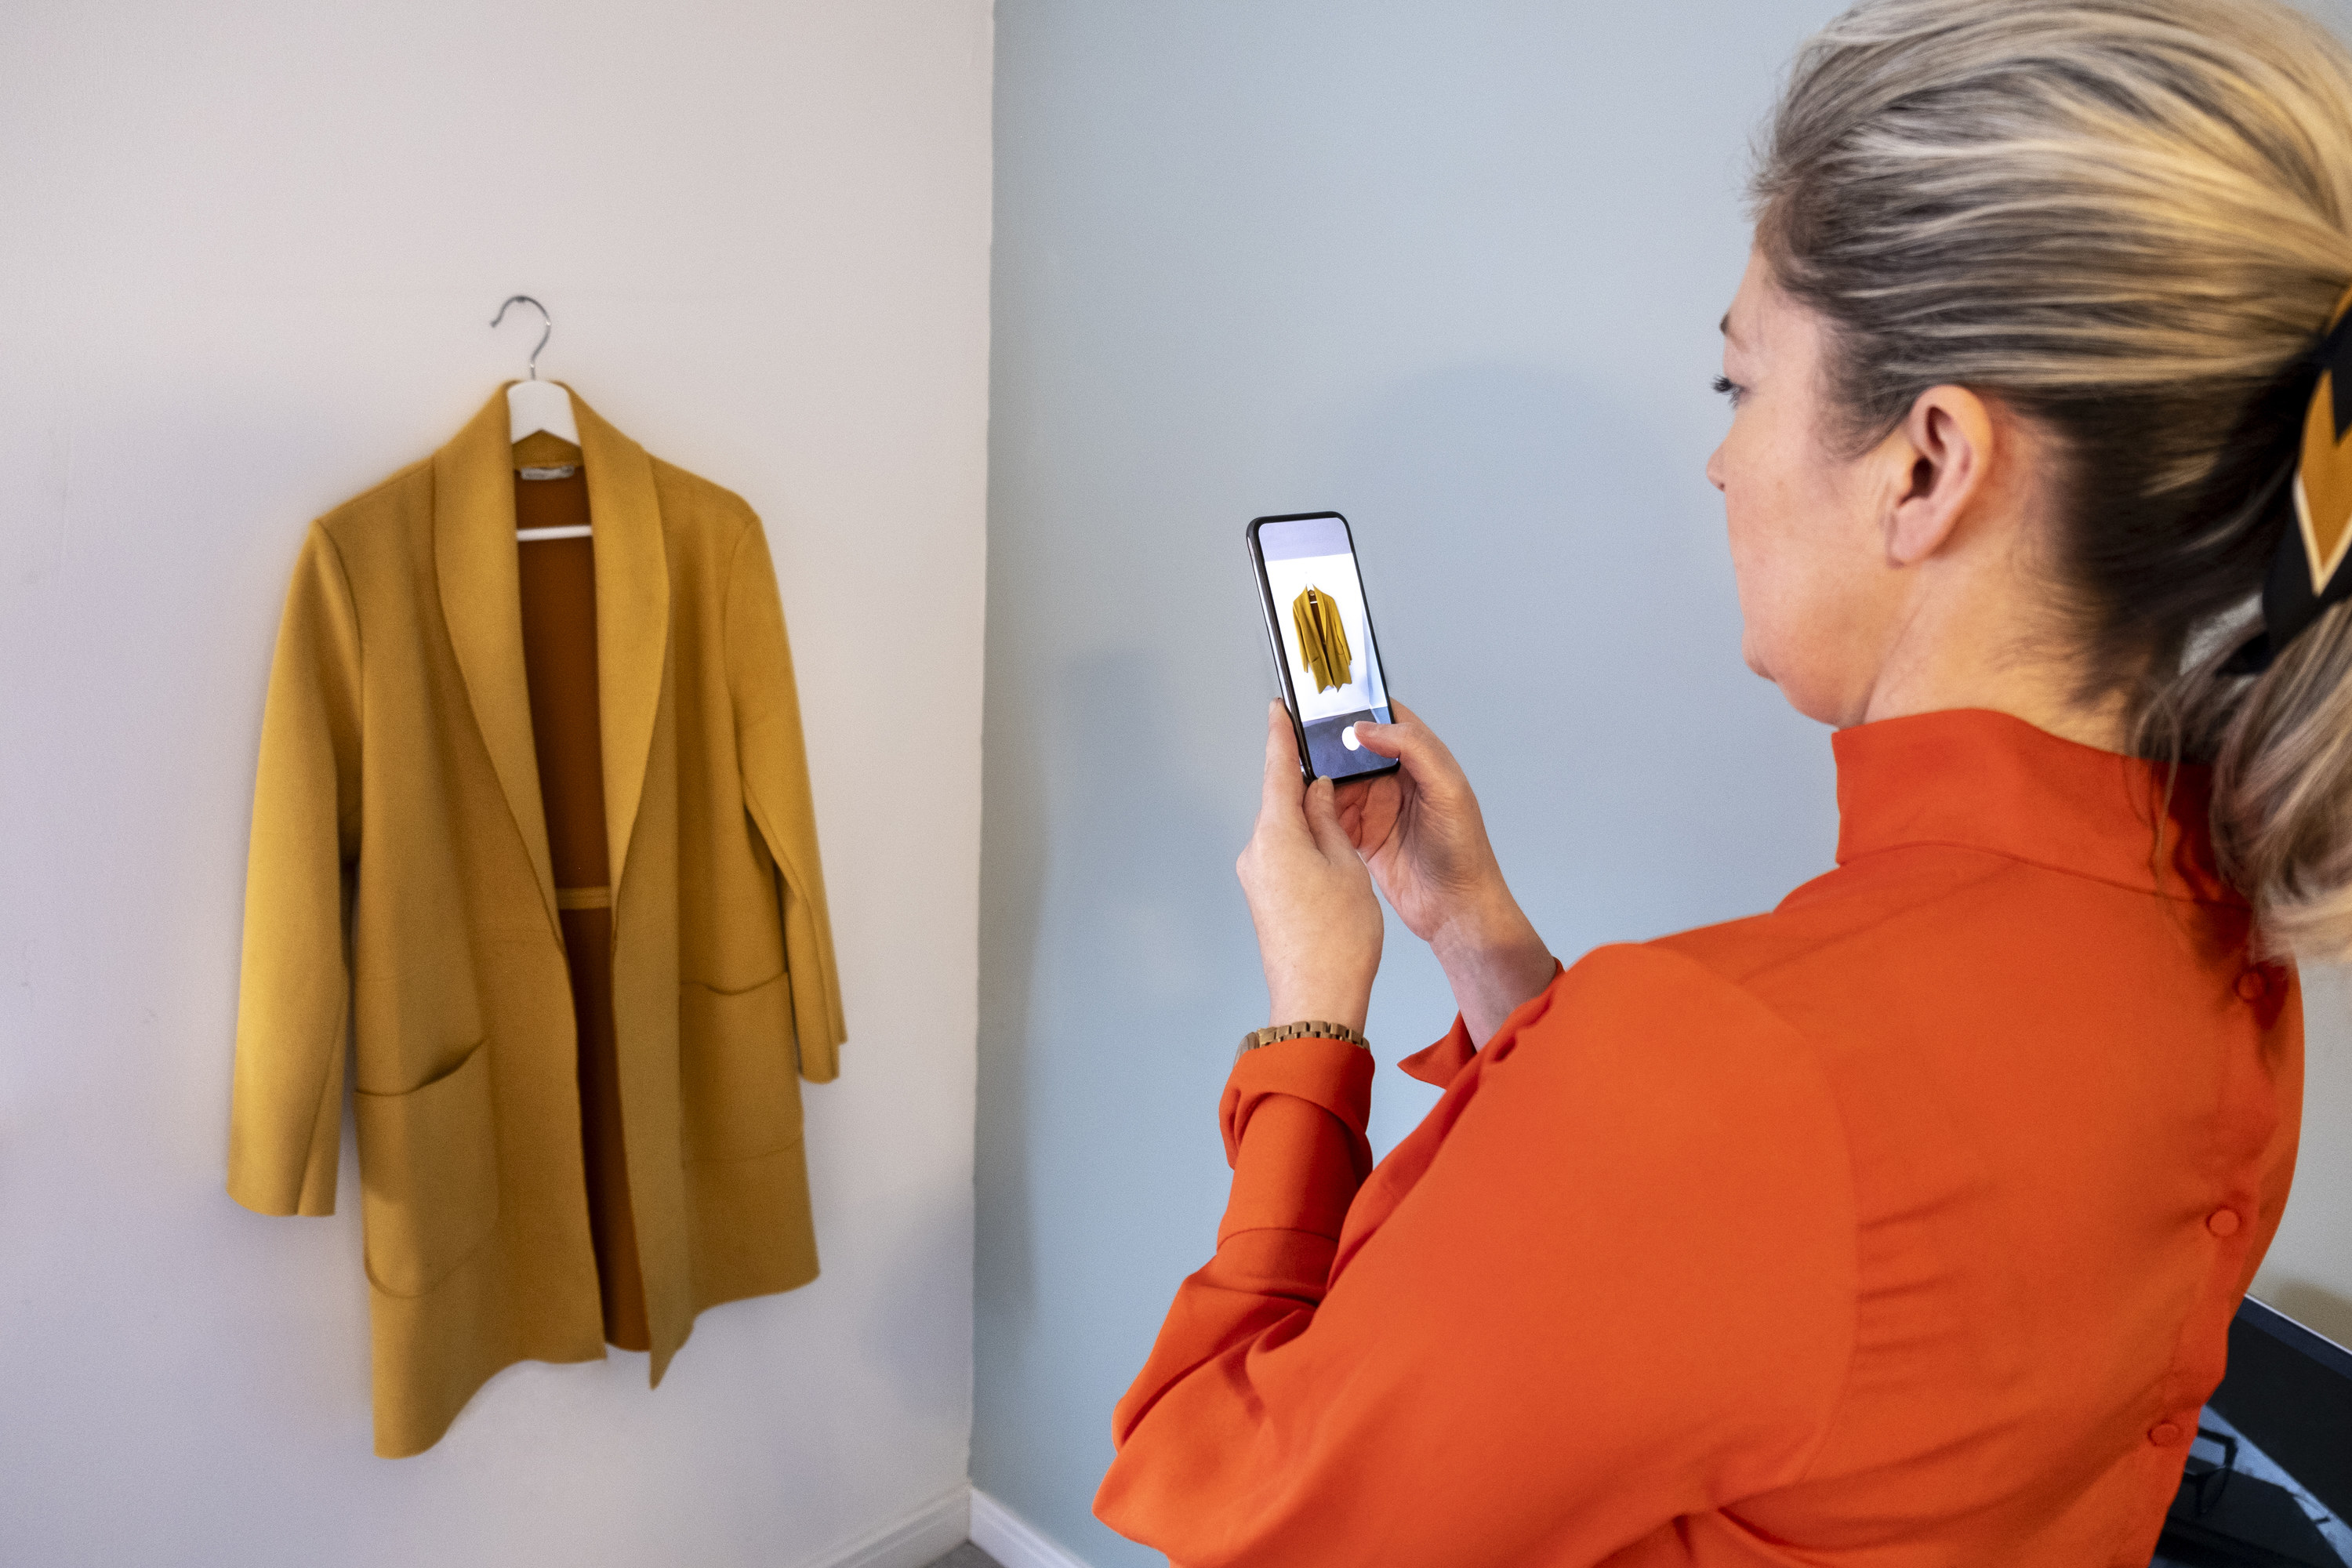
(1901, 1225)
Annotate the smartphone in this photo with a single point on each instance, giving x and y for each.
(1320, 630)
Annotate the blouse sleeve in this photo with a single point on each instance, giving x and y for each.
(1617, 1287)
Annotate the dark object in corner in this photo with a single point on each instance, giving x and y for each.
(2288, 1392)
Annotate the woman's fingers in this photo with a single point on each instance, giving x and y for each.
(1323, 821)
(1404, 739)
(1318, 924)
(1288, 805)
(1278, 804)
(1413, 743)
(1371, 811)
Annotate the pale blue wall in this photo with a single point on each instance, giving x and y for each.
(1454, 270)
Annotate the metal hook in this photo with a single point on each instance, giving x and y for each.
(546, 334)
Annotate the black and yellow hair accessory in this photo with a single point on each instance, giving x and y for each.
(2309, 573)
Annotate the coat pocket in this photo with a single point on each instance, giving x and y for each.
(739, 1085)
(428, 1175)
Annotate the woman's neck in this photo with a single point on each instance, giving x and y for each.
(1978, 649)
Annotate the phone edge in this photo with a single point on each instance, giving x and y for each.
(1266, 613)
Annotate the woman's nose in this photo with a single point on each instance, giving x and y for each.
(1715, 467)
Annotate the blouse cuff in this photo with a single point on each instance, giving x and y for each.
(1438, 1064)
(1294, 1115)
(1333, 1075)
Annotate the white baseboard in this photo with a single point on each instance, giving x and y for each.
(938, 1527)
(1012, 1539)
(923, 1537)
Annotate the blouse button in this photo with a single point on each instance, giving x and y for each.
(2162, 1433)
(2250, 984)
(2222, 1222)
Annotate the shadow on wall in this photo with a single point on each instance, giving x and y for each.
(1547, 568)
(2313, 1306)
(1115, 1000)
(916, 1293)
(1548, 573)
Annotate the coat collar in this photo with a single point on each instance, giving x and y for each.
(1988, 781)
(474, 562)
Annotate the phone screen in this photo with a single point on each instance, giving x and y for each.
(1313, 602)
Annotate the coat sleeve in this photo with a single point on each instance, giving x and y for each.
(1343, 658)
(1617, 1290)
(776, 790)
(285, 1107)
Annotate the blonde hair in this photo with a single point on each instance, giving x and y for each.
(2129, 219)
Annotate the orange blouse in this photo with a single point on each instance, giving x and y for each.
(1900, 1225)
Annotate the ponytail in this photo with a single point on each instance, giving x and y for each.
(2130, 220)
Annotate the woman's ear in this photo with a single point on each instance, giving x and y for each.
(1943, 450)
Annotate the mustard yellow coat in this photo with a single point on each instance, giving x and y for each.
(1322, 639)
(400, 884)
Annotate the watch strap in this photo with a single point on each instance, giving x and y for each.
(1312, 1027)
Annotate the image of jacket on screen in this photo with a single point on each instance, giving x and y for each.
(1322, 639)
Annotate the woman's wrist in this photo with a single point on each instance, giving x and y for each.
(1321, 1005)
(1494, 962)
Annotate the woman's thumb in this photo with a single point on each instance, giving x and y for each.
(1323, 820)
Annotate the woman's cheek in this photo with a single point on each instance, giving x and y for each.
(1764, 615)
(1751, 566)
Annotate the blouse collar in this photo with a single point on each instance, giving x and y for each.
(1983, 779)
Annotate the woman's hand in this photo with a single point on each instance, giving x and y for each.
(1318, 925)
(1420, 831)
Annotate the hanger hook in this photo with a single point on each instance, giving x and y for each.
(545, 333)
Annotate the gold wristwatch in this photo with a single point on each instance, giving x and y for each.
(1257, 1037)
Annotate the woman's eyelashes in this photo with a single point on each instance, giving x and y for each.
(1728, 388)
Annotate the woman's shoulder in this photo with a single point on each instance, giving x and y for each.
(1931, 933)
(1856, 911)
(1985, 1027)
(1654, 1025)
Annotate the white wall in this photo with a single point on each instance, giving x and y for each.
(248, 256)
(2307, 1273)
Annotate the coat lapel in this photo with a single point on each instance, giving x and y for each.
(632, 616)
(481, 600)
